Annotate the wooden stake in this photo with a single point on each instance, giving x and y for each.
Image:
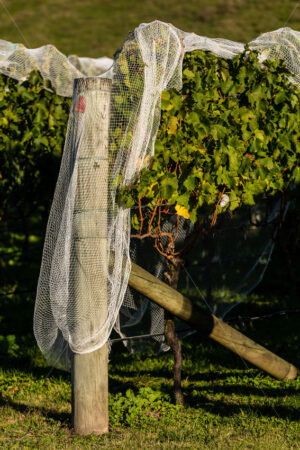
(209, 325)
(89, 274)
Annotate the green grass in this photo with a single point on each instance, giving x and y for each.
(98, 28)
(228, 403)
(226, 408)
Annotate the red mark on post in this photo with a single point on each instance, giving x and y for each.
(80, 105)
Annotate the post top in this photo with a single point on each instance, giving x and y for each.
(92, 84)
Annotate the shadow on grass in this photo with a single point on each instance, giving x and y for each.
(62, 417)
(247, 390)
(216, 407)
(34, 372)
(194, 398)
(168, 374)
(230, 408)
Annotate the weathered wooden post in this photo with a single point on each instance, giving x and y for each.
(89, 254)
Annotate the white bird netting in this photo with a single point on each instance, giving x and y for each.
(17, 61)
(149, 62)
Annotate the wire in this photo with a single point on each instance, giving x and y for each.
(242, 319)
(14, 22)
(292, 13)
(6, 294)
(236, 320)
(221, 325)
(20, 252)
(144, 336)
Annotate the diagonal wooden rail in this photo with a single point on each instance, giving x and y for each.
(209, 325)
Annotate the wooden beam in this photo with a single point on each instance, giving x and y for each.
(91, 103)
(209, 325)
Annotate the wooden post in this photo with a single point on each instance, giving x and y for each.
(209, 325)
(89, 252)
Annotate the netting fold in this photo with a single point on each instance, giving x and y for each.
(17, 61)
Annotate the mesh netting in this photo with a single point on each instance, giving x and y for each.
(17, 61)
(149, 62)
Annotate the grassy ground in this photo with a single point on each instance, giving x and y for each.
(98, 28)
(228, 404)
(225, 409)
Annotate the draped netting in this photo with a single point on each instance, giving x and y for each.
(17, 61)
(149, 62)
